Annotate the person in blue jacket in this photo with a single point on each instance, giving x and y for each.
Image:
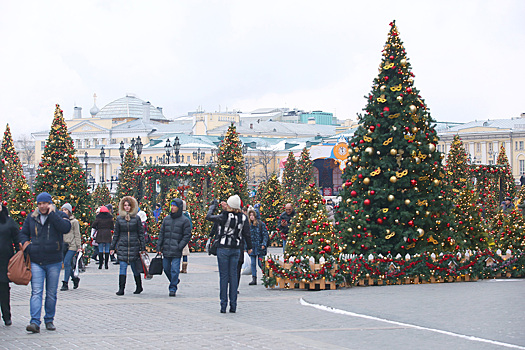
(44, 228)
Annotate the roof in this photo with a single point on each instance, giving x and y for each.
(269, 128)
(129, 106)
(503, 124)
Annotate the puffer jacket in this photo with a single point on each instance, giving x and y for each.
(175, 233)
(104, 225)
(47, 239)
(73, 236)
(8, 240)
(259, 236)
(128, 239)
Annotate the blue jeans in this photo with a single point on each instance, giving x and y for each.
(227, 260)
(103, 247)
(171, 268)
(68, 272)
(50, 274)
(255, 259)
(124, 268)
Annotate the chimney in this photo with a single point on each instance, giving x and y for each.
(145, 111)
(77, 114)
(159, 109)
(251, 126)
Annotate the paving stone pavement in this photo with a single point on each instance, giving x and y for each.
(471, 315)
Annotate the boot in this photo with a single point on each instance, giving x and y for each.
(121, 284)
(106, 260)
(100, 260)
(138, 282)
(76, 281)
(64, 286)
(253, 282)
(184, 267)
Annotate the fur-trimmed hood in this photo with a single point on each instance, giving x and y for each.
(134, 206)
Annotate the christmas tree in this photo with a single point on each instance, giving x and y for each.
(126, 176)
(101, 196)
(13, 167)
(272, 205)
(303, 174)
(507, 230)
(466, 214)
(311, 233)
(392, 197)
(2, 179)
(289, 176)
(231, 177)
(508, 184)
(457, 172)
(61, 174)
(21, 201)
(201, 227)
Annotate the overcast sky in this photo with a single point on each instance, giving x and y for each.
(468, 56)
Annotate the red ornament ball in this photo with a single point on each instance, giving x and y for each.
(386, 109)
(366, 202)
(411, 223)
(353, 193)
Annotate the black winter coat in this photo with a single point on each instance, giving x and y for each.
(104, 225)
(8, 238)
(128, 239)
(46, 240)
(175, 233)
(232, 228)
(285, 229)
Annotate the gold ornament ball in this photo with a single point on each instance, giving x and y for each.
(393, 151)
(399, 98)
(436, 182)
(393, 179)
(348, 200)
(431, 147)
(67, 168)
(387, 231)
(410, 80)
(391, 198)
(358, 227)
(355, 159)
(369, 150)
(438, 222)
(415, 129)
(350, 229)
(417, 160)
(350, 151)
(416, 189)
(421, 232)
(62, 187)
(382, 88)
(413, 109)
(366, 181)
(72, 196)
(84, 214)
(403, 62)
(407, 201)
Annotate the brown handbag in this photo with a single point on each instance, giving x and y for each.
(19, 267)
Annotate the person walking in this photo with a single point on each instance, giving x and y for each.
(8, 238)
(232, 225)
(259, 237)
(186, 250)
(175, 233)
(284, 222)
(72, 244)
(44, 229)
(104, 226)
(128, 241)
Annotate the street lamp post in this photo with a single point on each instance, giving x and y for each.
(198, 155)
(139, 146)
(167, 148)
(121, 150)
(102, 156)
(176, 149)
(133, 144)
(86, 158)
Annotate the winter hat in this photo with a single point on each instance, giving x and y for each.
(68, 207)
(104, 209)
(234, 202)
(508, 198)
(109, 206)
(44, 197)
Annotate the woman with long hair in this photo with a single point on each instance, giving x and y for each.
(232, 226)
(259, 236)
(128, 241)
(104, 226)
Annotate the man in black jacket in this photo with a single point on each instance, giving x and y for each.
(44, 228)
(175, 233)
(284, 222)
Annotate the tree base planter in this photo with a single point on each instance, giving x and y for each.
(317, 284)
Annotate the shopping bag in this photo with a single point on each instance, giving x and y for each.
(246, 268)
(78, 264)
(19, 267)
(155, 267)
(144, 258)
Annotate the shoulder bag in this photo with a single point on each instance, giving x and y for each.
(19, 267)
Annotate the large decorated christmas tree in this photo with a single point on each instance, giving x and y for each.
(272, 205)
(467, 215)
(289, 176)
(311, 233)
(392, 198)
(201, 228)
(508, 184)
(231, 177)
(12, 165)
(457, 171)
(126, 176)
(303, 176)
(61, 174)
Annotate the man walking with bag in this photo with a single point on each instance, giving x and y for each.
(44, 228)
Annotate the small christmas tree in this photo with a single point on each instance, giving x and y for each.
(311, 233)
(466, 214)
(303, 174)
(457, 171)
(126, 177)
(289, 176)
(508, 231)
(62, 175)
(13, 167)
(201, 227)
(508, 183)
(231, 177)
(101, 195)
(272, 205)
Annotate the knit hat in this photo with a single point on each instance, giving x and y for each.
(68, 207)
(104, 209)
(109, 206)
(44, 197)
(234, 202)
